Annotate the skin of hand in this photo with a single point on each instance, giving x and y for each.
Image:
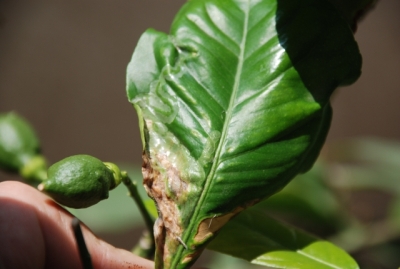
(35, 233)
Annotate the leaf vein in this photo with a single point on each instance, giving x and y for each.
(201, 29)
(206, 90)
(219, 30)
(262, 90)
(317, 260)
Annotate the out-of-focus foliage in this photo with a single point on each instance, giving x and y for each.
(351, 196)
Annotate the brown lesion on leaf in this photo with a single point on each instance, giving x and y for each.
(209, 226)
(164, 185)
(159, 236)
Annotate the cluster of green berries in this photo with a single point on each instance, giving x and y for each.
(78, 181)
(20, 148)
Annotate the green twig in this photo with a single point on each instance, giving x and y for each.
(133, 192)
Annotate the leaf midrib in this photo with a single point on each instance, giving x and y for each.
(229, 112)
(224, 132)
(311, 257)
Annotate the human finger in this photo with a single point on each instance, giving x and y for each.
(36, 233)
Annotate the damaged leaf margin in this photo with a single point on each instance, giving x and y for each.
(228, 112)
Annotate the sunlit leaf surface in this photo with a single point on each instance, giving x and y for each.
(232, 105)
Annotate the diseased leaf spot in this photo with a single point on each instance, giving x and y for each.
(209, 226)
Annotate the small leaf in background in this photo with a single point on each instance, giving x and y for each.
(257, 238)
(218, 260)
(151, 207)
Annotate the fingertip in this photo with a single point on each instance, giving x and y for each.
(53, 236)
(18, 222)
(9, 187)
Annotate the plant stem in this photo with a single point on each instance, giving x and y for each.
(133, 192)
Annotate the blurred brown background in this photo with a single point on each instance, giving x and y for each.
(62, 66)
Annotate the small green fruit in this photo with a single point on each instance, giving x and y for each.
(18, 142)
(78, 181)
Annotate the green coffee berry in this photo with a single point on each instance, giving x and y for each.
(18, 143)
(80, 181)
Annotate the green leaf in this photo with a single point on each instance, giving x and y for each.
(232, 105)
(151, 207)
(270, 243)
(218, 260)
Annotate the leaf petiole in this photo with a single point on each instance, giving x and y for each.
(149, 221)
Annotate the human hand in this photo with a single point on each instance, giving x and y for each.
(35, 232)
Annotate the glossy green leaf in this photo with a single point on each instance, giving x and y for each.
(232, 105)
(270, 243)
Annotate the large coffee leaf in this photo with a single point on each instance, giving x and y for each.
(232, 105)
